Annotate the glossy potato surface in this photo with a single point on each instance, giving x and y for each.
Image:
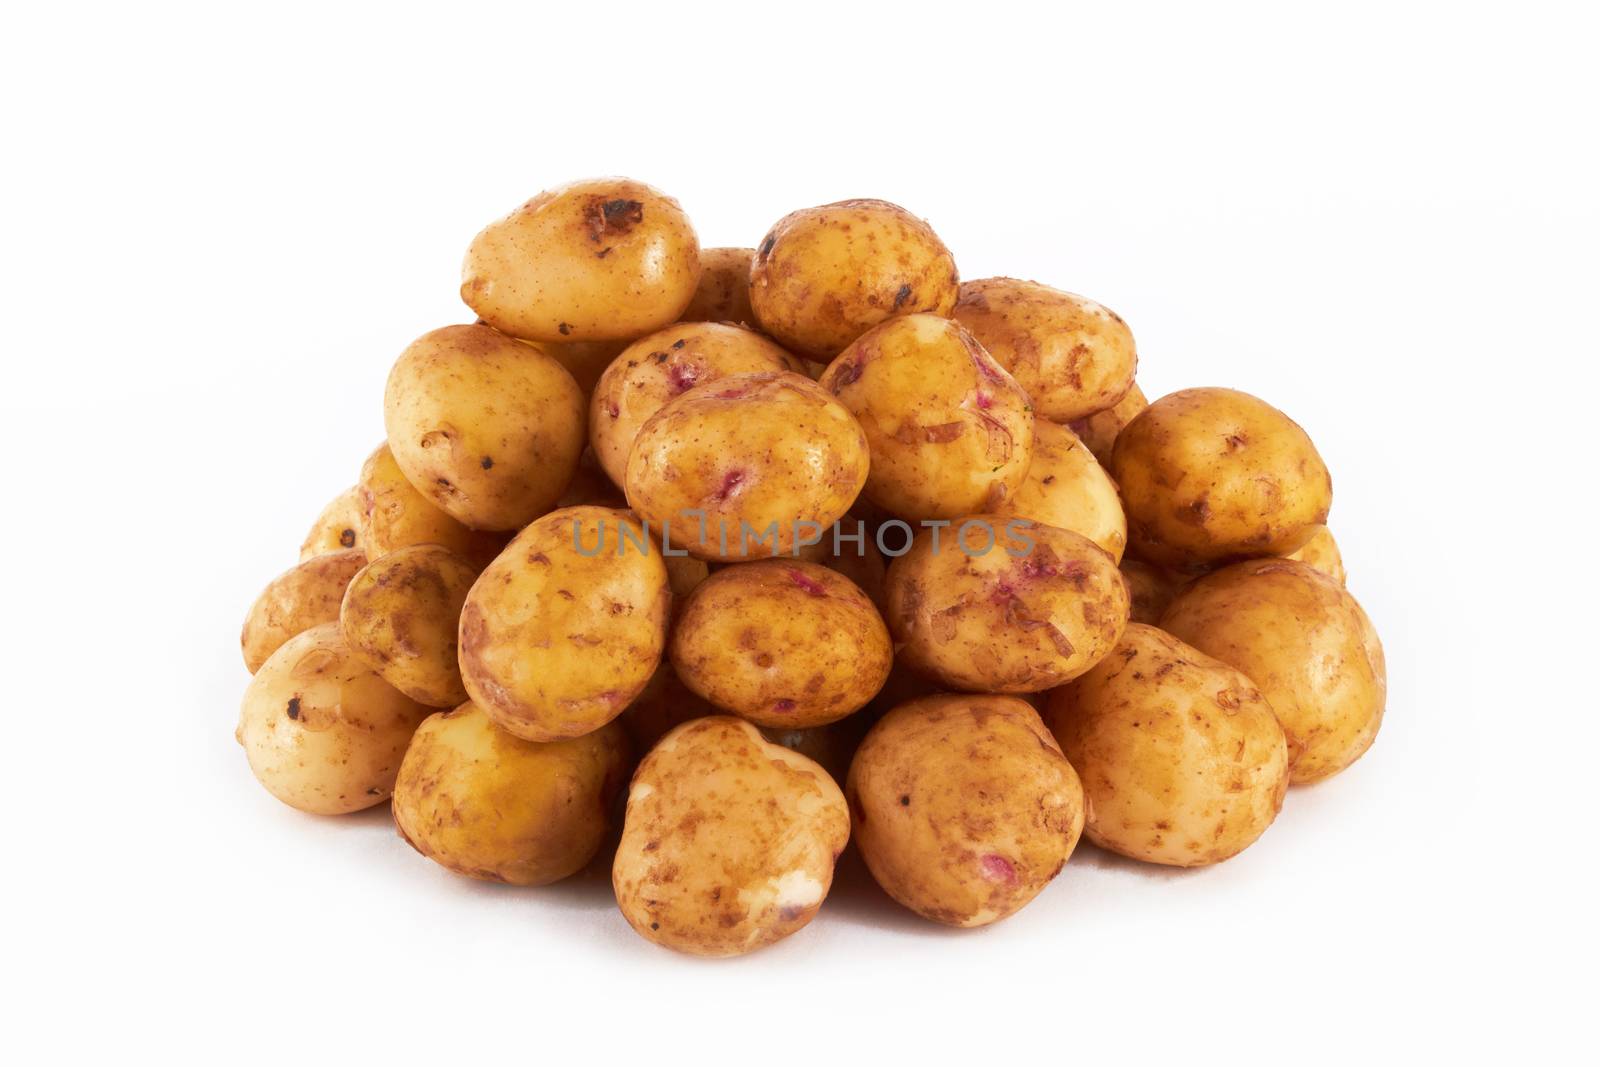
(1067, 487)
(305, 595)
(394, 515)
(401, 614)
(337, 528)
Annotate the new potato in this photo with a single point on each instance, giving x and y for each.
(305, 595)
(723, 294)
(1099, 431)
(337, 527)
(1067, 487)
(400, 616)
(394, 515)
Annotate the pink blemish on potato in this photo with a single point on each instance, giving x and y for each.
(985, 401)
(732, 392)
(808, 583)
(784, 704)
(612, 409)
(998, 869)
(987, 369)
(682, 378)
(730, 483)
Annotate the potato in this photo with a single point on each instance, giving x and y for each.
(303, 596)
(964, 808)
(1209, 475)
(565, 628)
(830, 746)
(1073, 356)
(1099, 431)
(337, 528)
(826, 275)
(783, 643)
(1322, 552)
(746, 466)
(1181, 757)
(724, 291)
(862, 563)
(585, 360)
(590, 485)
(666, 364)
(480, 802)
(664, 705)
(1305, 642)
(607, 259)
(949, 430)
(1066, 487)
(1150, 590)
(400, 616)
(321, 730)
(1004, 605)
(729, 840)
(488, 428)
(394, 515)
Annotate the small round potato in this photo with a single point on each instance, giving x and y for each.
(585, 360)
(1150, 590)
(999, 604)
(394, 515)
(1073, 356)
(1322, 552)
(1067, 487)
(607, 259)
(951, 433)
(724, 291)
(480, 802)
(305, 595)
(1181, 757)
(321, 730)
(400, 616)
(338, 527)
(487, 427)
(826, 275)
(567, 625)
(964, 807)
(729, 840)
(745, 467)
(782, 643)
(1099, 431)
(1209, 475)
(668, 363)
(1305, 642)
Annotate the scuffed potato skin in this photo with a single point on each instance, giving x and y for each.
(482, 803)
(1073, 356)
(964, 807)
(751, 450)
(950, 432)
(1099, 431)
(565, 627)
(1321, 551)
(323, 733)
(337, 528)
(783, 643)
(400, 616)
(305, 595)
(1182, 760)
(729, 840)
(823, 276)
(1067, 487)
(605, 259)
(1210, 475)
(1305, 642)
(1039, 608)
(657, 369)
(394, 515)
(488, 428)
(723, 294)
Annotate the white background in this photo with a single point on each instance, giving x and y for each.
(220, 226)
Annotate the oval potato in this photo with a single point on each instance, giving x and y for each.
(306, 595)
(1099, 431)
(1066, 487)
(337, 528)
(394, 515)
(723, 294)
(400, 616)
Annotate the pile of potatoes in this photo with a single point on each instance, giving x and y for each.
(994, 599)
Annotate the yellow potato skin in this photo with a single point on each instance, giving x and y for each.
(306, 595)
(964, 807)
(1322, 552)
(783, 643)
(753, 449)
(482, 803)
(488, 428)
(1073, 356)
(723, 294)
(1099, 431)
(337, 528)
(394, 515)
(1182, 760)
(662, 366)
(950, 432)
(1209, 475)
(323, 733)
(585, 360)
(1001, 623)
(555, 642)
(729, 840)
(400, 616)
(824, 276)
(604, 259)
(1308, 645)
(1067, 487)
